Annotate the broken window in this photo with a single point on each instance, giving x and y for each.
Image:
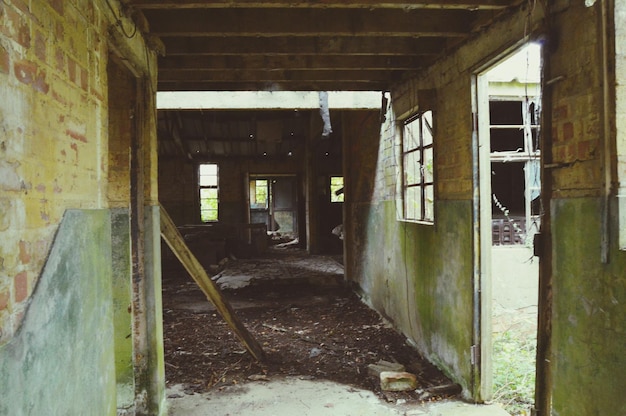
(515, 168)
(418, 190)
(208, 190)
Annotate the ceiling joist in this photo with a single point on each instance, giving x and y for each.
(311, 22)
(309, 44)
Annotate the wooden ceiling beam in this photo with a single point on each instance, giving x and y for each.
(259, 85)
(337, 45)
(311, 22)
(270, 75)
(325, 4)
(297, 62)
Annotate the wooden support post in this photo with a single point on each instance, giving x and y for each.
(172, 237)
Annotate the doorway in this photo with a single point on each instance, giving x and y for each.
(274, 202)
(509, 103)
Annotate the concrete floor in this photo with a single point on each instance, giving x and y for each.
(294, 396)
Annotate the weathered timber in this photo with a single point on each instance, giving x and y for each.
(175, 241)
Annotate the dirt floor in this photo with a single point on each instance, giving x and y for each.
(307, 330)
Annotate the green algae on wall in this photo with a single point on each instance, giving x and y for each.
(589, 313)
(61, 360)
(154, 312)
(121, 284)
(422, 280)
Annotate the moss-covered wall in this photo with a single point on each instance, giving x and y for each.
(427, 295)
(422, 277)
(60, 362)
(418, 276)
(588, 319)
(122, 307)
(589, 314)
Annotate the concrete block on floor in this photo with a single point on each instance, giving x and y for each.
(397, 381)
(374, 370)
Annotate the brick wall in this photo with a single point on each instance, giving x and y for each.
(53, 145)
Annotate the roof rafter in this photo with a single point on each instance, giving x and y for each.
(260, 62)
(307, 44)
(336, 45)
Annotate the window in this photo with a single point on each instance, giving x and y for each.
(258, 194)
(515, 167)
(336, 189)
(207, 181)
(418, 190)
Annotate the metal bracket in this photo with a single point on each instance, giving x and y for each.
(474, 354)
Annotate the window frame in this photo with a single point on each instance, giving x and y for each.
(256, 206)
(423, 182)
(202, 186)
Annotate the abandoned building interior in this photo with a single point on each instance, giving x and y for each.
(373, 121)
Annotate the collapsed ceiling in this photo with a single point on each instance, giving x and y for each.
(202, 135)
(310, 45)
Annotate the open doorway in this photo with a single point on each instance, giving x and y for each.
(274, 202)
(509, 103)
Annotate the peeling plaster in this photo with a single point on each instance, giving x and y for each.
(9, 178)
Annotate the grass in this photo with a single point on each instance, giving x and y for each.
(514, 371)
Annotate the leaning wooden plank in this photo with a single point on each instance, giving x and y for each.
(172, 237)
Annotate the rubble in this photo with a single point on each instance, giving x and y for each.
(375, 369)
(397, 381)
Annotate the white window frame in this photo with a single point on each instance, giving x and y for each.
(417, 169)
(208, 181)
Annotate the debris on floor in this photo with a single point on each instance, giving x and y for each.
(308, 331)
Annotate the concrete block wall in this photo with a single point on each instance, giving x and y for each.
(60, 362)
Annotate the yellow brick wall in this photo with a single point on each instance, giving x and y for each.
(53, 124)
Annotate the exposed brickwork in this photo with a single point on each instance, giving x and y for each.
(29, 73)
(21, 286)
(53, 60)
(40, 46)
(24, 252)
(57, 5)
(5, 296)
(15, 27)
